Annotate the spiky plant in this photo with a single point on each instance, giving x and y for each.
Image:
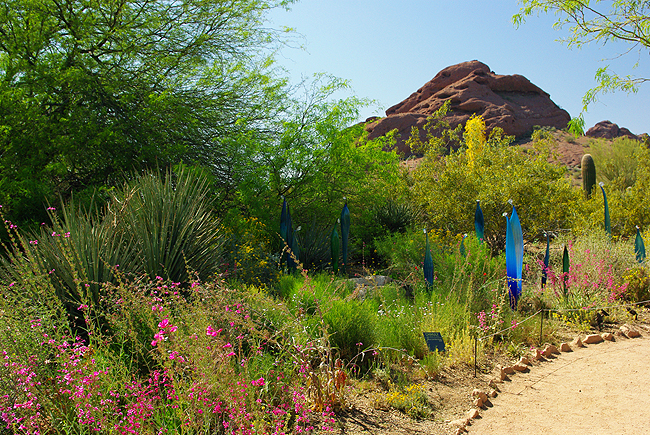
(588, 174)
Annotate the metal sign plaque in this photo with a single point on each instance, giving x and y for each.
(434, 341)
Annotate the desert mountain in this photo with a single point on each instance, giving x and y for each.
(511, 102)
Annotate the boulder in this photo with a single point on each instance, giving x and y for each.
(607, 336)
(510, 102)
(550, 350)
(630, 331)
(577, 343)
(593, 339)
(609, 130)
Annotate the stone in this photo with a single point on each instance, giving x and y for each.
(479, 394)
(629, 331)
(524, 361)
(564, 347)
(577, 343)
(607, 336)
(460, 430)
(550, 350)
(593, 339)
(509, 370)
(459, 423)
(539, 355)
(510, 102)
(473, 413)
(493, 393)
(493, 384)
(520, 367)
(609, 130)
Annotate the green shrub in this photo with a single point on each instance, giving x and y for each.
(617, 160)
(446, 189)
(351, 326)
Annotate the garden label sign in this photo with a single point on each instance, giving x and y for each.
(434, 341)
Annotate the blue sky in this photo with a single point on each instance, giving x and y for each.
(387, 49)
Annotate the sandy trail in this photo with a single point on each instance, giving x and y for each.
(600, 389)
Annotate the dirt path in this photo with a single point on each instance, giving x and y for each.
(600, 389)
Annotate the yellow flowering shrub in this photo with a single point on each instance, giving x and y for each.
(474, 138)
(248, 253)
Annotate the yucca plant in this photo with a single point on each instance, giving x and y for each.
(169, 220)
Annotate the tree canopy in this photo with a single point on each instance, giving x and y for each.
(91, 89)
(601, 22)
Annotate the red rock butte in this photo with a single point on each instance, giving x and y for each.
(510, 102)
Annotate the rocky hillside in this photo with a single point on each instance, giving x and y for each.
(511, 102)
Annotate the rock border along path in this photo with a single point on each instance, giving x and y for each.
(598, 388)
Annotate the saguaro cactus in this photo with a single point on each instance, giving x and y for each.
(588, 174)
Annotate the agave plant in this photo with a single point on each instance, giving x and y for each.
(639, 247)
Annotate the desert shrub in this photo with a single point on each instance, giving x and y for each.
(403, 253)
(157, 225)
(248, 253)
(616, 160)
(350, 325)
(394, 216)
(171, 360)
(447, 188)
(637, 284)
(595, 277)
(627, 207)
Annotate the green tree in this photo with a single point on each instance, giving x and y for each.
(590, 21)
(91, 89)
